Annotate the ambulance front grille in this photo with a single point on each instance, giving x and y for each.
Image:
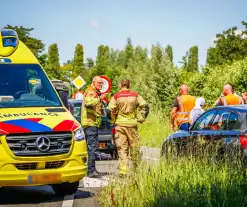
(31, 145)
(26, 166)
(34, 165)
(54, 164)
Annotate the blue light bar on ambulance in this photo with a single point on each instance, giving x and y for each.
(9, 32)
(9, 38)
(10, 42)
(5, 60)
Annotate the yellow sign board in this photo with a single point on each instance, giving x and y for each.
(78, 82)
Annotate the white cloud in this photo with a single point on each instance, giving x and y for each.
(94, 24)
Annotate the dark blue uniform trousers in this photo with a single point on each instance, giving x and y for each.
(91, 133)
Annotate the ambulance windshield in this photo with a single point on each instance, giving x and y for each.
(25, 85)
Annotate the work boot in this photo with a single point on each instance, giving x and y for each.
(94, 174)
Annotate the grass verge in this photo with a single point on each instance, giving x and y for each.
(154, 130)
(184, 181)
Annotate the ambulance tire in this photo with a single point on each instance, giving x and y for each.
(64, 189)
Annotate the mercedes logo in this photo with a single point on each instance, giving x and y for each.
(43, 144)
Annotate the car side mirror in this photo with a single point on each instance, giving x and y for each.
(64, 97)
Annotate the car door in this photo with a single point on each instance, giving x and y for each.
(223, 131)
(226, 127)
(186, 141)
(201, 127)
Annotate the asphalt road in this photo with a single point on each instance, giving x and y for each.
(87, 194)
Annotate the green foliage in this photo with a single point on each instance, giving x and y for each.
(43, 59)
(169, 52)
(155, 129)
(66, 71)
(210, 85)
(153, 78)
(157, 53)
(89, 63)
(193, 59)
(102, 60)
(53, 66)
(140, 54)
(78, 63)
(129, 52)
(230, 45)
(184, 61)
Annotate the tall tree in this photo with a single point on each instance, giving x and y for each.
(129, 52)
(89, 63)
(169, 52)
(157, 53)
(193, 59)
(121, 58)
(53, 66)
(102, 60)
(35, 45)
(140, 54)
(66, 71)
(184, 61)
(78, 65)
(230, 45)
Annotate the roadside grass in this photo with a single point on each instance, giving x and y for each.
(199, 180)
(154, 130)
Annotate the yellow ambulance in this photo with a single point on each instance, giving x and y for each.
(40, 141)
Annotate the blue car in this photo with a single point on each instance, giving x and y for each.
(226, 124)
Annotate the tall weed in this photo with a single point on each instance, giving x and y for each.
(155, 129)
(200, 179)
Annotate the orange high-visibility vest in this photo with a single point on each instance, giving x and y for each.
(186, 103)
(231, 99)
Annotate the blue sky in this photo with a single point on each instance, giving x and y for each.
(180, 23)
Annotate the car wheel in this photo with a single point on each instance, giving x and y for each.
(64, 189)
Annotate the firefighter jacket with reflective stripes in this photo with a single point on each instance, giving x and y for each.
(231, 99)
(127, 108)
(185, 105)
(92, 108)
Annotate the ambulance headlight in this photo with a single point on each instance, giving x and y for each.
(79, 134)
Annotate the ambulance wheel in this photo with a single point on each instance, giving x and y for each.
(64, 189)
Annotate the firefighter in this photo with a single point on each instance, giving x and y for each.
(126, 109)
(92, 110)
(182, 107)
(228, 98)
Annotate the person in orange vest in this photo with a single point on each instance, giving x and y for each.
(182, 107)
(228, 98)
